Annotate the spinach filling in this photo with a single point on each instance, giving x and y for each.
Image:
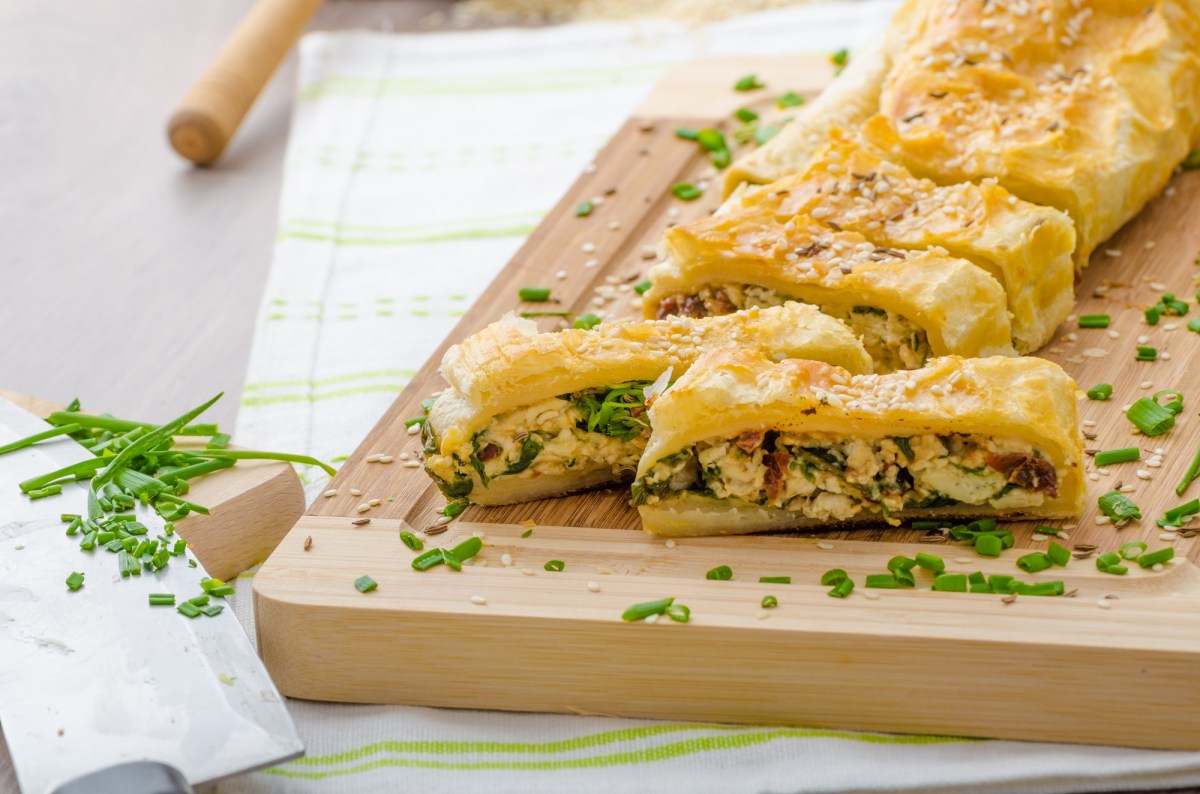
(618, 410)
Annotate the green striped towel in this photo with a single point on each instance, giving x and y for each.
(416, 166)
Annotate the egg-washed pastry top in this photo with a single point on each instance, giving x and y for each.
(529, 415)
(1026, 247)
(1082, 105)
(743, 444)
(905, 305)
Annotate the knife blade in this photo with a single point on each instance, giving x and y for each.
(97, 677)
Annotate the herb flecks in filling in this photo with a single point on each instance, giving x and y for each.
(823, 476)
(893, 342)
(598, 428)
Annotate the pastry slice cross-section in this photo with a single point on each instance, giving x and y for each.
(1026, 247)
(907, 306)
(530, 415)
(745, 444)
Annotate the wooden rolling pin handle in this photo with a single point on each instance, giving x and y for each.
(212, 109)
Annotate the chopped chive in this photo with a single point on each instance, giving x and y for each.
(1032, 563)
(927, 525)
(642, 286)
(840, 58)
(1150, 559)
(249, 454)
(584, 209)
(555, 565)
(1132, 550)
(901, 563)
(842, 588)
(722, 573)
(711, 140)
(884, 581)
(423, 562)
(1100, 392)
(224, 591)
(1146, 353)
(686, 134)
(188, 609)
(527, 533)
(1094, 321)
(745, 114)
(1150, 417)
(1175, 405)
(951, 583)
(720, 158)
(219, 441)
(29, 441)
(467, 549)
(1058, 554)
(833, 576)
(534, 294)
(774, 580)
(1192, 473)
(1118, 507)
(679, 613)
(1173, 516)
(200, 600)
(1124, 455)
(904, 577)
(162, 599)
(416, 420)
(999, 583)
(769, 602)
(1194, 323)
(586, 321)
(930, 562)
(749, 82)
(455, 507)
(1110, 562)
(75, 581)
(411, 540)
(1151, 315)
(789, 100)
(646, 609)
(213, 611)
(686, 191)
(365, 584)
(532, 315)
(1055, 588)
(988, 546)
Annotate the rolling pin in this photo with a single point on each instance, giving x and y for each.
(210, 112)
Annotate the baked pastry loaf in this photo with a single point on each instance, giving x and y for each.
(1081, 105)
(907, 306)
(1026, 247)
(744, 444)
(530, 415)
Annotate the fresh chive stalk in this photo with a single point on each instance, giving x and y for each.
(1150, 417)
(1101, 391)
(554, 565)
(365, 584)
(722, 573)
(1094, 321)
(75, 581)
(1119, 507)
(646, 609)
(1108, 457)
(534, 294)
(769, 602)
(686, 191)
(586, 321)
(1150, 559)
(774, 580)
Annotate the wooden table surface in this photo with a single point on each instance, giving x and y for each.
(131, 279)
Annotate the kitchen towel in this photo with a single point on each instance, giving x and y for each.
(416, 166)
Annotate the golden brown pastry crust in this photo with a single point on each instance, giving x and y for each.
(961, 308)
(1026, 247)
(1084, 106)
(509, 365)
(727, 392)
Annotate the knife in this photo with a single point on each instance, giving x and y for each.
(93, 681)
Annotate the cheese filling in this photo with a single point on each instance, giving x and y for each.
(597, 429)
(893, 341)
(829, 477)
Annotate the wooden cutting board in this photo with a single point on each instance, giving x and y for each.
(252, 506)
(1116, 663)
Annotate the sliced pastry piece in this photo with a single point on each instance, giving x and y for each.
(744, 444)
(1084, 106)
(907, 306)
(1026, 247)
(530, 415)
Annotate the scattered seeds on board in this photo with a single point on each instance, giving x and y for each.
(362, 508)
(870, 595)
(411, 464)
(375, 502)
(478, 600)
(1104, 603)
(332, 492)
(436, 529)
(412, 431)
(823, 544)
(506, 560)
(355, 492)
(652, 619)
(443, 520)
(308, 543)
(594, 587)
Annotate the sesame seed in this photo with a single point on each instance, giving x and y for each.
(824, 545)
(1146, 384)
(560, 275)
(332, 492)
(670, 544)
(590, 168)
(594, 587)
(1158, 566)
(362, 508)
(591, 263)
(1142, 474)
(1143, 339)
(529, 572)
(588, 248)
(1088, 423)
(962, 560)
(373, 458)
(762, 615)
(614, 226)
(412, 464)
(651, 619)
(870, 595)
(1150, 244)
(1093, 476)
(1164, 356)
(1039, 537)
(1114, 334)
(1103, 520)
(1167, 536)
(478, 600)
(1104, 603)
(412, 431)
(1112, 252)
(1170, 326)
(506, 560)
(1157, 286)
(375, 502)
(355, 492)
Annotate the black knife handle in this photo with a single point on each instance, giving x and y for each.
(135, 777)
